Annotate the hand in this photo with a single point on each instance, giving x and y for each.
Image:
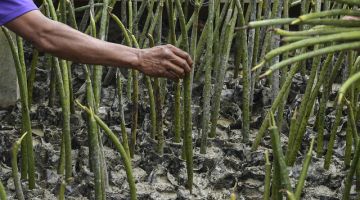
(165, 61)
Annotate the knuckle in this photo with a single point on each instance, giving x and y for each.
(163, 63)
(167, 53)
(169, 46)
(184, 64)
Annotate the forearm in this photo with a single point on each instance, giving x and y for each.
(65, 42)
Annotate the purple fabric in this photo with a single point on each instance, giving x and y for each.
(11, 9)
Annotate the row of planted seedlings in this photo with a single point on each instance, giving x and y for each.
(219, 28)
(328, 40)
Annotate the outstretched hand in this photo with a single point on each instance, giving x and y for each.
(165, 61)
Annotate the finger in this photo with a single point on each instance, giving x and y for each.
(181, 63)
(175, 68)
(172, 75)
(181, 54)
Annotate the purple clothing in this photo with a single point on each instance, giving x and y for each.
(11, 9)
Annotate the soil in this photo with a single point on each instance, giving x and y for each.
(228, 166)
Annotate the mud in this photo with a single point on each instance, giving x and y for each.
(229, 165)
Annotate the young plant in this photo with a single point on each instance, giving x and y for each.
(246, 75)
(61, 72)
(279, 158)
(187, 101)
(267, 176)
(227, 38)
(121, 110)
(94, 146)
(207, 82)
(304, 170)
(119, 147)
(14, 166)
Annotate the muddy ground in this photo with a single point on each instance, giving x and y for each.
(228, 166)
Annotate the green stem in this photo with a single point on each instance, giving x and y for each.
(246, 76)
(2, 192)
(292, 132)
(62, 188)
(308, 104)
(328, 13)
(267, 176)
(177, 104)
(14, 165)
(347, 36)
(207, 83)
(349, 176)
(284, 91)
(347, 84)
(326, 50)
(324, 99)
(278, 154)
(321, 30)
(26, 122)
(147, 23)
(83, 8)
(121, 110)
(52, 92)
(351, 68)
(120, 148)
(94, 147)
(333, 22)
(333, 132)
(34, 62)
(98, 69)
(304, 170)
(268, 22)
(187, 97)
(227, 39)
(63, 83)
(135, 110)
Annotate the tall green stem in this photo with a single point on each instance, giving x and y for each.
(187, 97)
(119, 147)
(246, 80)
(330, 147)
(14, 165)
(207, 85)
(278, 155)
(308, 107)
(94, 147)
(26, 123)
(267, 176)
(303, 174)
(122, 116)
(227, 38)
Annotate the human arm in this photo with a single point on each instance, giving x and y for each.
(67, 43)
